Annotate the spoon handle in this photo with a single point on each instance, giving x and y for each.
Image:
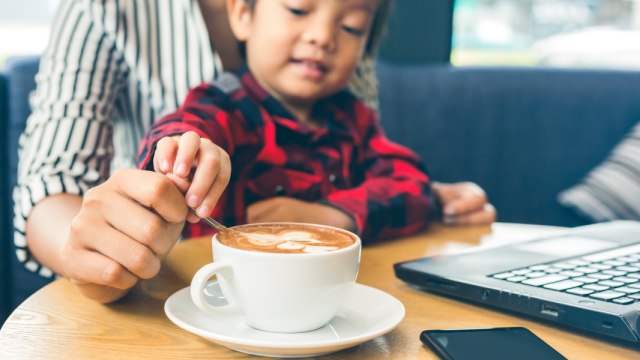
(214, 224)
(209, 220)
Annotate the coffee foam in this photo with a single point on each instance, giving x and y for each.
(287, 239)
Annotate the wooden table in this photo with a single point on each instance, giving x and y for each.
(59, 323)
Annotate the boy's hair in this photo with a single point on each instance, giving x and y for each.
(378, 27)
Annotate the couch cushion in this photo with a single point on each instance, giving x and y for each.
(523, 134)
(20, 73)
(612, 190)
(5, 206)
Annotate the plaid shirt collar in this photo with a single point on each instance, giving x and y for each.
(337, 110)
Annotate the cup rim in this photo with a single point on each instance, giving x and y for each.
(355, 244)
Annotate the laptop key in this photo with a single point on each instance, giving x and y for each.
(596, 287)
(614, 262)
(516, 278)
(586, 270)
(627, 290)
(571, 273)
(635, 286)
(624, 300)
(611, 283)
(563, 285)
(545, 280)
(502, 275)
(634, 275)
(601, 276)
(607, 295)
(626, 280)
(580, 291)
(628, 268)
(614, 272)
(552, 270)
(535, 274)
(586, 279)
(635, 296)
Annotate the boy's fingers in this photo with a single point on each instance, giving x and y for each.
(213, 195)
(164, 155)
(204, 177)
(188, 146)
(210, 179)
(486, 215)
(181, 183)
(462, 198)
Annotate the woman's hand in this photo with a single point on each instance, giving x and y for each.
(464, 203)
(124, 229)
(287, 209)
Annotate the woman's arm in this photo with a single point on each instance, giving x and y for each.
(48, 228)
(66, 145)
(103, 232)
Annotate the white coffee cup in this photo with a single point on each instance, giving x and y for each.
(280, 292)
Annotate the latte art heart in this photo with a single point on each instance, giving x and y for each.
(288, 239)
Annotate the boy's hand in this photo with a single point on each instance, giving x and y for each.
(287, 209)
(197, 166)
(464, 203)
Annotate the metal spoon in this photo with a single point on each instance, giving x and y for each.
(221, 228)
(214, 224)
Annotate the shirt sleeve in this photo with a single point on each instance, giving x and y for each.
(395, 197)
(66, 146)
(206, 111)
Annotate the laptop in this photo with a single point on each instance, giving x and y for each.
(587, 278)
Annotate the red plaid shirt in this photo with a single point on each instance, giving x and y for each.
(348, 163)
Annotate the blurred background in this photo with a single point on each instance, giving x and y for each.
(573, 33)
(577, 33)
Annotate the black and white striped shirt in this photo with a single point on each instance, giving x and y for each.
(111, 68)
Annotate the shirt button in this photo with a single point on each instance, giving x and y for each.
(332, 177)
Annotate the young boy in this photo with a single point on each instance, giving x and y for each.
(302, 148)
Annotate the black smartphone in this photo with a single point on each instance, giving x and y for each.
(492, 344)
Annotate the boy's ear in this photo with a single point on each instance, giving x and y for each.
(239, 13)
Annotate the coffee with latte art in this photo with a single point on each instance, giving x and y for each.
(286, 238)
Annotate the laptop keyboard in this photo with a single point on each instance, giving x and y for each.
(612, 276)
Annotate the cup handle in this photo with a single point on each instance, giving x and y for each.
(199, 282)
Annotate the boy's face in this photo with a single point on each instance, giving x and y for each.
(303, 50)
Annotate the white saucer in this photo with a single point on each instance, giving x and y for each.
(366, 314)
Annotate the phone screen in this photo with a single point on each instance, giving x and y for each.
(496, 344)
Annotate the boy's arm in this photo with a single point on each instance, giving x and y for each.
(199, 113)
(395, 198)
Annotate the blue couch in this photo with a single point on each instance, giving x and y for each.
(5, 203)
(522, 134)
(16, 282)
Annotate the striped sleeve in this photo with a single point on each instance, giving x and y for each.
(611, 191)
(66, 146)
